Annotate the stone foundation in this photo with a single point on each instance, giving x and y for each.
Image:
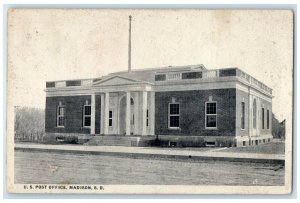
(156, 141)
(252, 141)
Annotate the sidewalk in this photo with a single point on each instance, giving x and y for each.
(143, 152)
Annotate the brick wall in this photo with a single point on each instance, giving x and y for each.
(192, 112)
(73, 117)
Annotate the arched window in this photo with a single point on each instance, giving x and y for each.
(131, 101)
(254, 114)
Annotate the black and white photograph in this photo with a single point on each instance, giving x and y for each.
(149, 101)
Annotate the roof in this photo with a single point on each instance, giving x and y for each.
(170, 74)
(148, 75)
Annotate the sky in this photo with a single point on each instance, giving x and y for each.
(46, 45)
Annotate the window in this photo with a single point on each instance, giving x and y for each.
(86, 115)
(132, 120)
(73, 83)
(110, 118)
(243, 116)
(173, 115)
(61, 116)
(191, 75)
(268, 119)
(161, 77)
(211, 115)
(263, 118)
(254, 114)
(227, 72)
(147, 121)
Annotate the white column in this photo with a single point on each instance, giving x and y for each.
(136, 113)
(144, 114)
(106, 113)
(102, 115)
(152, 113)
(127, 113)
(93, 107)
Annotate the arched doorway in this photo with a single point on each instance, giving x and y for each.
(122, 116)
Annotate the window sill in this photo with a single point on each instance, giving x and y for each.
(174, 128)
(211, 128)
(86, 127)
(60, 126)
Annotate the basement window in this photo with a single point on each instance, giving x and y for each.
(86, 115)
(210, 144)
(211, 115)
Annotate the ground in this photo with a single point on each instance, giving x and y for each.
(276, 147)
(73, 167)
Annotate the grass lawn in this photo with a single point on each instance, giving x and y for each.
(276, 147)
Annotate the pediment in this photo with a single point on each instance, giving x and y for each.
(116, 80)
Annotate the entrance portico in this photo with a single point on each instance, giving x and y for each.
(127, 106)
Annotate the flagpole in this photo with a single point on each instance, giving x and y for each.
(129, 46)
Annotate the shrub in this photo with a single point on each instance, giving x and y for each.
(225, 142)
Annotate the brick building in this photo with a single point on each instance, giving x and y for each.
(190, 102)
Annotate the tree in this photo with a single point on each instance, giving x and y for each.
(29, 122)
(278, 128)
